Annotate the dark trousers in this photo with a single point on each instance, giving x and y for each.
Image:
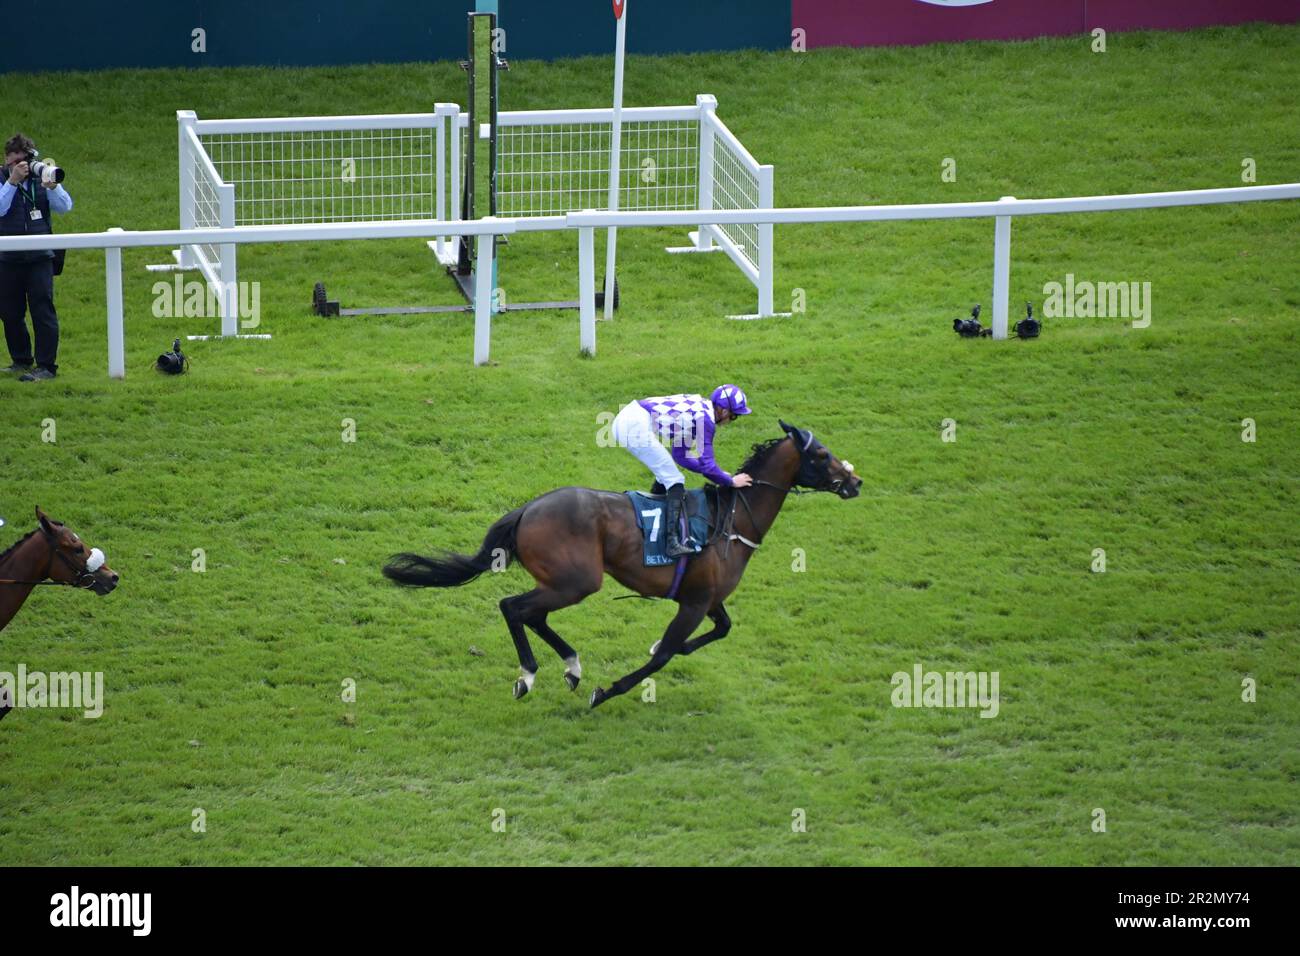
(23, 286)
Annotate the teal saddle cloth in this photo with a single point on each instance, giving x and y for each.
(650, 514)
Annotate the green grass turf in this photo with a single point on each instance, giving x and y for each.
(1119, 690)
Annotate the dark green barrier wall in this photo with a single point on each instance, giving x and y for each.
(147, 33)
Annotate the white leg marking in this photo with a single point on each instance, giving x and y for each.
(572, 666)
(528, 677)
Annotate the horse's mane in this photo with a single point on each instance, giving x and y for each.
(759, 454)
(4, 556)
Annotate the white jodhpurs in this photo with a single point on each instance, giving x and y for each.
(633, 430)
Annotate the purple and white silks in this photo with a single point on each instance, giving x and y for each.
(682, 422)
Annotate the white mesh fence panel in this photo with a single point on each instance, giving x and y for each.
(388, 168)
(548, 164)
(206, 206)
(554, 168)
(735, 186)
(330, 175)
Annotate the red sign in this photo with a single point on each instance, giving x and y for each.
(618, 9)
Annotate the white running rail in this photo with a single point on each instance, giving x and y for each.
(585, 223)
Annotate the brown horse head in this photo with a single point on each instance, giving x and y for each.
(73, 563)
(818, 467)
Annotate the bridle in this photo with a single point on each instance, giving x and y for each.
(802, 485)
(813, 477)
(83, 577)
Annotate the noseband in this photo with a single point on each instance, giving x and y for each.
(83, 577)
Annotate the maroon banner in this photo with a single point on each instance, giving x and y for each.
(1187, 14)
(890, 22)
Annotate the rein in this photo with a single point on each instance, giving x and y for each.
(725, 529)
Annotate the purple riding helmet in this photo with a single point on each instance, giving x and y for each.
(730, 396)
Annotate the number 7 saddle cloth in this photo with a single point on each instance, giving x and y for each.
(650, 518)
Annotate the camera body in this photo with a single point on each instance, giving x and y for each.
(1028, 327)
(46, 172)
(174, 362)
(970, 328)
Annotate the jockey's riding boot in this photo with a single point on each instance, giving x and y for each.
(657, 489)
(678, 544)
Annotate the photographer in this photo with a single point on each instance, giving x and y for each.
(27, 278)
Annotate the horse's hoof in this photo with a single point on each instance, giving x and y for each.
(571, 680)
(521, 688)
(598, 697)
(654, 647)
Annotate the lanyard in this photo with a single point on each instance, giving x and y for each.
(31, 196)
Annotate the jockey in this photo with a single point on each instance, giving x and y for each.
(686, 423)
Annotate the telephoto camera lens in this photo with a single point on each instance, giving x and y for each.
(45, 171)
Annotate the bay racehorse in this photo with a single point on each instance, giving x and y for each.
(53, 554)
(568, 539)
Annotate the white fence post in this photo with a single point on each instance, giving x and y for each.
(439, 171)
(483, 298)
(113, 295)
(766, 200)
(229, 274)
(1001, 271)
(706, 104)
(185, 119)
(587, 290)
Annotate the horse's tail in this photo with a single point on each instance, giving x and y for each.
(449, 569)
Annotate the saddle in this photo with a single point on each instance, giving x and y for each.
(650, 511)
